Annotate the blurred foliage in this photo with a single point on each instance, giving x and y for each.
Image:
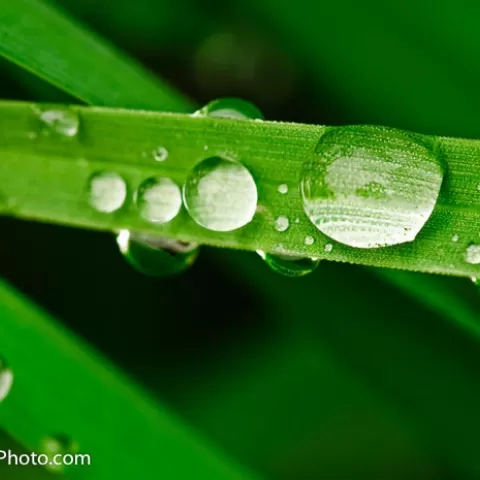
(335, 376)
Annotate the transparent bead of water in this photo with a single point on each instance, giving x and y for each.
(160, 154)
(229, 107)
(6, 380)
(281, 223)
(288, 265)
(455, 238)
(158, 199)
(107, 191)
(283, 188)
(472, 254)
(309, 240)
(156, 256)
(328, 247)
(61, 121)
(370, 187)
(220, 194)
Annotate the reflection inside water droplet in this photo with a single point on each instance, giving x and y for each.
(156, 256)
(290, 266)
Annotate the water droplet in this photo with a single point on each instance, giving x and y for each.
(472, 254)
(6, 380)
(370, 187)
(297, 220)
(281, 223)
(156, 256)
(476, 281)
(455, 238)
(478, 187)
(60, 445)
(283, 188)
(160, 154)
(61, 121)
(290, 266)
(158, 200)
(328, 247)
(228, 107)
(309, 240)
(107, 191)
(220, 194)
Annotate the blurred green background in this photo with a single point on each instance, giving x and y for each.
(339, 375)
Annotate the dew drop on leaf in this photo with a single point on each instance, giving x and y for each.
(158, 199)
(328, 247)
(283, 188)
(60, 121)
(6, 380)
(309, 240)
(107, 191)
(281, 224)
(290, 266)
(230, 107)
(455, 238)
(220, 194)
(156, 256)
(472, 254)
(370, 187)
(160, 154)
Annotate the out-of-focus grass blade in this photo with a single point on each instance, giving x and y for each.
(62, 387)
(44, 41)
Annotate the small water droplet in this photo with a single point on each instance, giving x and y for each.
(158, 200)
(328, 247)
(6, 380)
(60, 445)
(220, 194)
(476, 281)
(281, 224)
(61, 121)
(370, 187)
(156, 256)
(309, 240)
(288, 265)
(107, 191)
(160, 154)
(297, 220)
(229, 107)
(283, 188)
(205, 147)
(472, 254)
(455, 238)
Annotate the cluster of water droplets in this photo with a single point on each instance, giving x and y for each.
(363, 186)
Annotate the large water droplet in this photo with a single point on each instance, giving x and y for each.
(230, 107)
(472, 254)
(61, 121)
(290, 266)
(156, 256)
(107, 191)
(370, 187)
(6, 380)
(220, 194)
(159, 200)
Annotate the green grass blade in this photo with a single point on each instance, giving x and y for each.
(44, 41)
(47, 178)
(63, 387)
